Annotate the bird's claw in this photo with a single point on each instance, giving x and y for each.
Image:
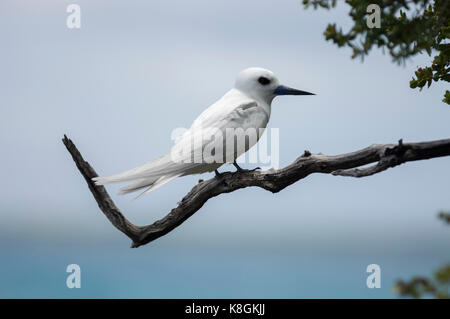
(244, 170)
(249, 170)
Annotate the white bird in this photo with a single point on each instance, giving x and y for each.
(246, 106)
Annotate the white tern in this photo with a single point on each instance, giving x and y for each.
(246, 106)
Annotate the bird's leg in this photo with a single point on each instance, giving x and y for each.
(241, 170)
(218, 175)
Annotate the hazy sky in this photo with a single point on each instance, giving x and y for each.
(138, 69)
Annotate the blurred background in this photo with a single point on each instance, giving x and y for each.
(135, 71)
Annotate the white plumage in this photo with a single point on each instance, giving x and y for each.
(246, 106)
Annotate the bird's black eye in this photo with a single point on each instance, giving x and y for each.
(263, 80)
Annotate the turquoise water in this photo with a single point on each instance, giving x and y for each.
(107, 271)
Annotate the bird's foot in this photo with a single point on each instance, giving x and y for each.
(243, 170)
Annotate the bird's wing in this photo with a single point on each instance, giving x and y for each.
(221, 109)
(184, 157)
(211, 130)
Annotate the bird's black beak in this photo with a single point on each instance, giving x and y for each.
(285, 90)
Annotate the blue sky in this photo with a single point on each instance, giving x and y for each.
(135, 71)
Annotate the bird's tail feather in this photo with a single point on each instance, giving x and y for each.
(152, 175)
(150, 183)
(151, 170)
(139, 184)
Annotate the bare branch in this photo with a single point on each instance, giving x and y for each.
(383, 164)
(384, 155)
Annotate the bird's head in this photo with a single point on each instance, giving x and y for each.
(263, 84)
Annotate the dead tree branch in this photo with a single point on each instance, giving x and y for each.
(349, 164)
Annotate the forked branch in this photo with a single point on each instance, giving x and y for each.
(383, 155)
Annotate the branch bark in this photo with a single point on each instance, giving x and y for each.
(384, 155)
